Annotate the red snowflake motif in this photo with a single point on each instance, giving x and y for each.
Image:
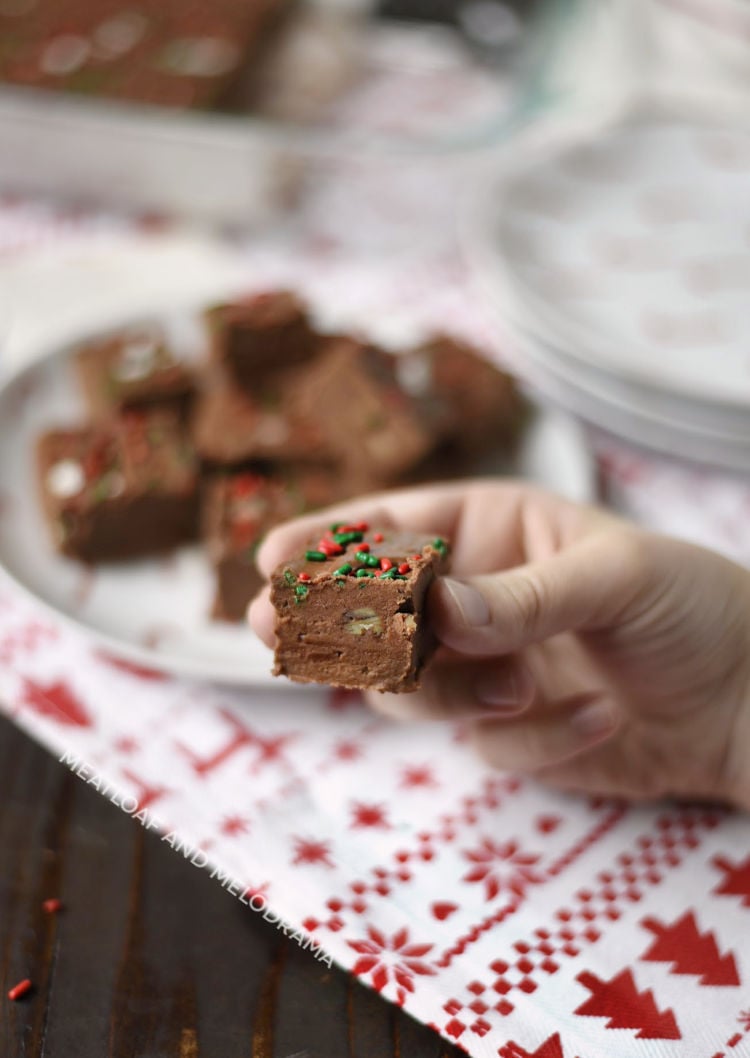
(271, 749)
(395, 959)
(256, 894)
(417, 775)
(369, 816)
(308, 851)
(744, 1020)
(518, 874)
(232, 825)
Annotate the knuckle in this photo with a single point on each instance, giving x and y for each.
(527, 597)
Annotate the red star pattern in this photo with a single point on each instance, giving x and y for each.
(309, 851)
(369, 816)
(418, 775)
(126, 744)
(519, 873)
(233, 825)
(383, 960)
(271, 750)
(348, 749)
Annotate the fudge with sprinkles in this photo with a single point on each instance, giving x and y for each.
(132, 369)
(119, 490)
(350, 609)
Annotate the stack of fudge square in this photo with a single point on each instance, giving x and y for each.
(277, 420)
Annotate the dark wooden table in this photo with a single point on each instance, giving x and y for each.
(151, 957)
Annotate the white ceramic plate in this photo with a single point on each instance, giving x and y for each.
(631, 253)
(155, 612)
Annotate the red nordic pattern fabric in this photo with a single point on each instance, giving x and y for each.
(515, 921)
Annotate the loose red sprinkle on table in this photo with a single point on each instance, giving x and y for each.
(378, 538)
(20, 989)
(404, 568)
(304, 578)
(385, 563)
(51, 907)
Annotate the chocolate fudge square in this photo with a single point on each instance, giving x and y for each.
(257, 337)
(474, 404)
(232, 429)
(121, 490)
(238, 509)
(134, 369)
(376, 430)
(350, 610)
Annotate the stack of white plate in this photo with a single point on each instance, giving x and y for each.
(619, 270)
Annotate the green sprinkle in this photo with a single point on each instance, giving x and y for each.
(373, 561)
(348, 538)
(342, 570)
(301, 592)
(290, 577)
(365, 573)
(440, 545)
(315, 556)
(390, 574)
(336, 526)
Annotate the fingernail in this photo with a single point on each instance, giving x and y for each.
(594, 720)
(469, 602)
(510, 691)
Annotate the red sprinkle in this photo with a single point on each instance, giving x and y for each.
(361, 527)
(304, 577)
(417, 558)
(330, 547)
(363, 547)
(52, 906)
(378, 538)
(385, 563)
(404, 568)
(246, 484)
(20, 989)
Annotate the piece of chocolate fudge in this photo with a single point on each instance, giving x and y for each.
(232, 429)
(257, 337)
(134, 369)
(238, 510)
(175, 53)
(350, 610)
(474, 405)
(376, 430)
(119, 490)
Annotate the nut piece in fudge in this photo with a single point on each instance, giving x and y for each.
(257, 337)
(475, 405)
(350, 610)
(134, 369)
(377, 431)
(231, 428)
(121, 490)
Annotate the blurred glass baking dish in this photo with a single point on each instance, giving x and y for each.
(363, 86)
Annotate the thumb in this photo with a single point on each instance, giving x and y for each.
(592, 584)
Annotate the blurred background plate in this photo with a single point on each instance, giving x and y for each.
(154, 612)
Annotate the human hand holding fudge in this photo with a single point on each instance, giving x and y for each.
(575, 646)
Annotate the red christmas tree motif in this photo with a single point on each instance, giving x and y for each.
(417, 775)
(369, 816)
(309, 851)
(395, 959)
(690, 951)
(551, 1048)
(519, 872)
(57, 701)
(625, 1007)
(737, 878)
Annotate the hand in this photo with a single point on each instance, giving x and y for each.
(577, 647)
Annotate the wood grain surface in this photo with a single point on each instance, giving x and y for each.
(150, 958)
